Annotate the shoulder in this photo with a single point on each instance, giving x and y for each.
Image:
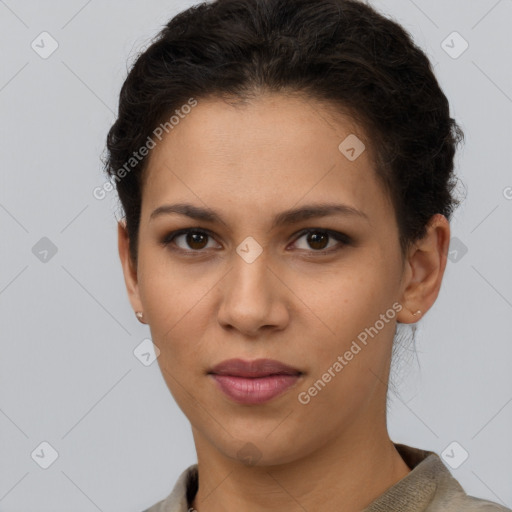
(182, 493)
(451, 497)
(432, 488)
(464, 503)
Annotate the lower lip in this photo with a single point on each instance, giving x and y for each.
(245, 390)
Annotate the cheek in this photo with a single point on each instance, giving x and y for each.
(353, 355)
(179, 310)
(169, 289)
(350, 302)
(356, 292)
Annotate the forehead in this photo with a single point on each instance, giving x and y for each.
(273, 150)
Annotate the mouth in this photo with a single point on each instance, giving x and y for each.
(253, 369)
(254, 382)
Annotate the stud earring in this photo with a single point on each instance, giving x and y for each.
(139, 315)
(417, 312)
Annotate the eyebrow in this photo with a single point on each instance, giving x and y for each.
(286, 217)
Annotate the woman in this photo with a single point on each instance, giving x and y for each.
(286, 172)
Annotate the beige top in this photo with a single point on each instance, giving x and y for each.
(429, 487)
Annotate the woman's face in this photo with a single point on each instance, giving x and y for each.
(251, 287)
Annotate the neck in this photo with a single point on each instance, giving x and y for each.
(341, 475)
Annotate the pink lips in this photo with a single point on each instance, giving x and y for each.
(254, 382)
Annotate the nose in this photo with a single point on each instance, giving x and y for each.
(253, 299)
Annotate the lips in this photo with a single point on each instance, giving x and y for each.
(253, 369)
(254, 382)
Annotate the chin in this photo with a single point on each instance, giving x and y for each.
(259, 451)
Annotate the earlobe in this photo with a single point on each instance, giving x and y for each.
(128, 266)
(426, 261)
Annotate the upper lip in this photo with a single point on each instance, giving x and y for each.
(256, 368)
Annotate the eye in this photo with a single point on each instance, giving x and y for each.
(193, 240)
(318, 240)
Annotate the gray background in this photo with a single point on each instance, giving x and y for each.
(68, 374)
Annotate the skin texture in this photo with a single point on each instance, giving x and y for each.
(249, 163)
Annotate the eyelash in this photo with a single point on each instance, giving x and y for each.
(340, 237)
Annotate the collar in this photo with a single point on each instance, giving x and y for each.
(412, 493)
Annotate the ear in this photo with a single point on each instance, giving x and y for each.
(425, 265)
(129, 268)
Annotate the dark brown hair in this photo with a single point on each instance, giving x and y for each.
(341, 52)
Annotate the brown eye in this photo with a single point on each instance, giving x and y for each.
(196, 240)
(317, 240)
(188, 240)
